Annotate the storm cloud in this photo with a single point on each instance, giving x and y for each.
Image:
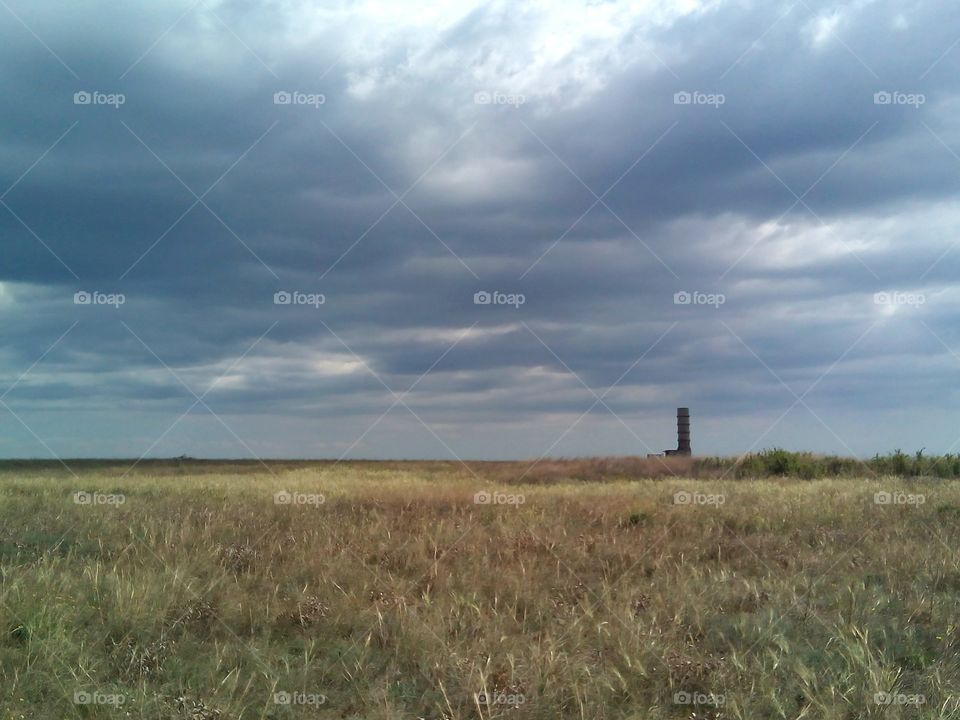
(266, 228)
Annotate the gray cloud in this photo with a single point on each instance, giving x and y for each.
(400, 196)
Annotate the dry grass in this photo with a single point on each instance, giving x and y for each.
(399, 597)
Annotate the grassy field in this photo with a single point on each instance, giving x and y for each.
(588, 589)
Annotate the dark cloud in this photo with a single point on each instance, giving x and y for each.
(538, 152)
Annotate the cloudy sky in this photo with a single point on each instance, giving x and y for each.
(280, 228)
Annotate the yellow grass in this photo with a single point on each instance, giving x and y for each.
(397, 596)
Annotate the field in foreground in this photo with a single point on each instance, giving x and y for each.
(376, 591)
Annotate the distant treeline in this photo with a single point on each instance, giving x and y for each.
(777, 462)
(774, 462)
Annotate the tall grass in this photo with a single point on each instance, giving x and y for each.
(400, 597)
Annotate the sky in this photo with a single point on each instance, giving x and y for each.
(279, 228)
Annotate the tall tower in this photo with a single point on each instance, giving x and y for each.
(683, 433)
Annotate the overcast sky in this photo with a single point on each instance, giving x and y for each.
(747, 208)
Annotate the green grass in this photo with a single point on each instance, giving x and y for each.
(808, 465)
(599, 596)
